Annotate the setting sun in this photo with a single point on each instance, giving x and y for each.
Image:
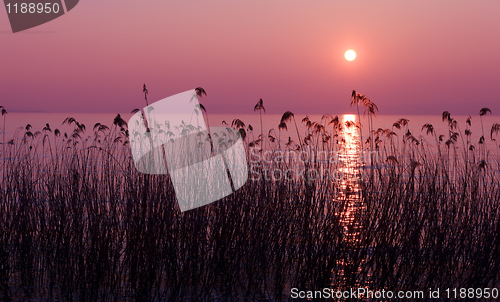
(350, 55)
(349, 118)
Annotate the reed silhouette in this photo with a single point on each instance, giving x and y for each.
(79, 223)
(4, 112)
(260, 107)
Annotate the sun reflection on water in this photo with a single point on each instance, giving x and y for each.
(348, 187)
(348, 196)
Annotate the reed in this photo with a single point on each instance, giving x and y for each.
(79, 223)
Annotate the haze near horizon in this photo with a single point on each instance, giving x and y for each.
(412, 58)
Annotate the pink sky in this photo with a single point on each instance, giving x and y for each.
(413, 57)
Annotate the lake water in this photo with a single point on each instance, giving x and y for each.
(18, 121)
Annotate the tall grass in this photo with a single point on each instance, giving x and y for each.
(78, 223)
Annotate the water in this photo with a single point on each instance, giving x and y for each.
(18, 121)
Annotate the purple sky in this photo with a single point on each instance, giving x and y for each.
(413, 57)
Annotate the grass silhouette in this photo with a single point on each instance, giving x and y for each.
(79, 223)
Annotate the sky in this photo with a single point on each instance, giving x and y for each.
(413, 57)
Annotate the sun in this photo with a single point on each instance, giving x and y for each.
(349, 118)
(350, 55)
